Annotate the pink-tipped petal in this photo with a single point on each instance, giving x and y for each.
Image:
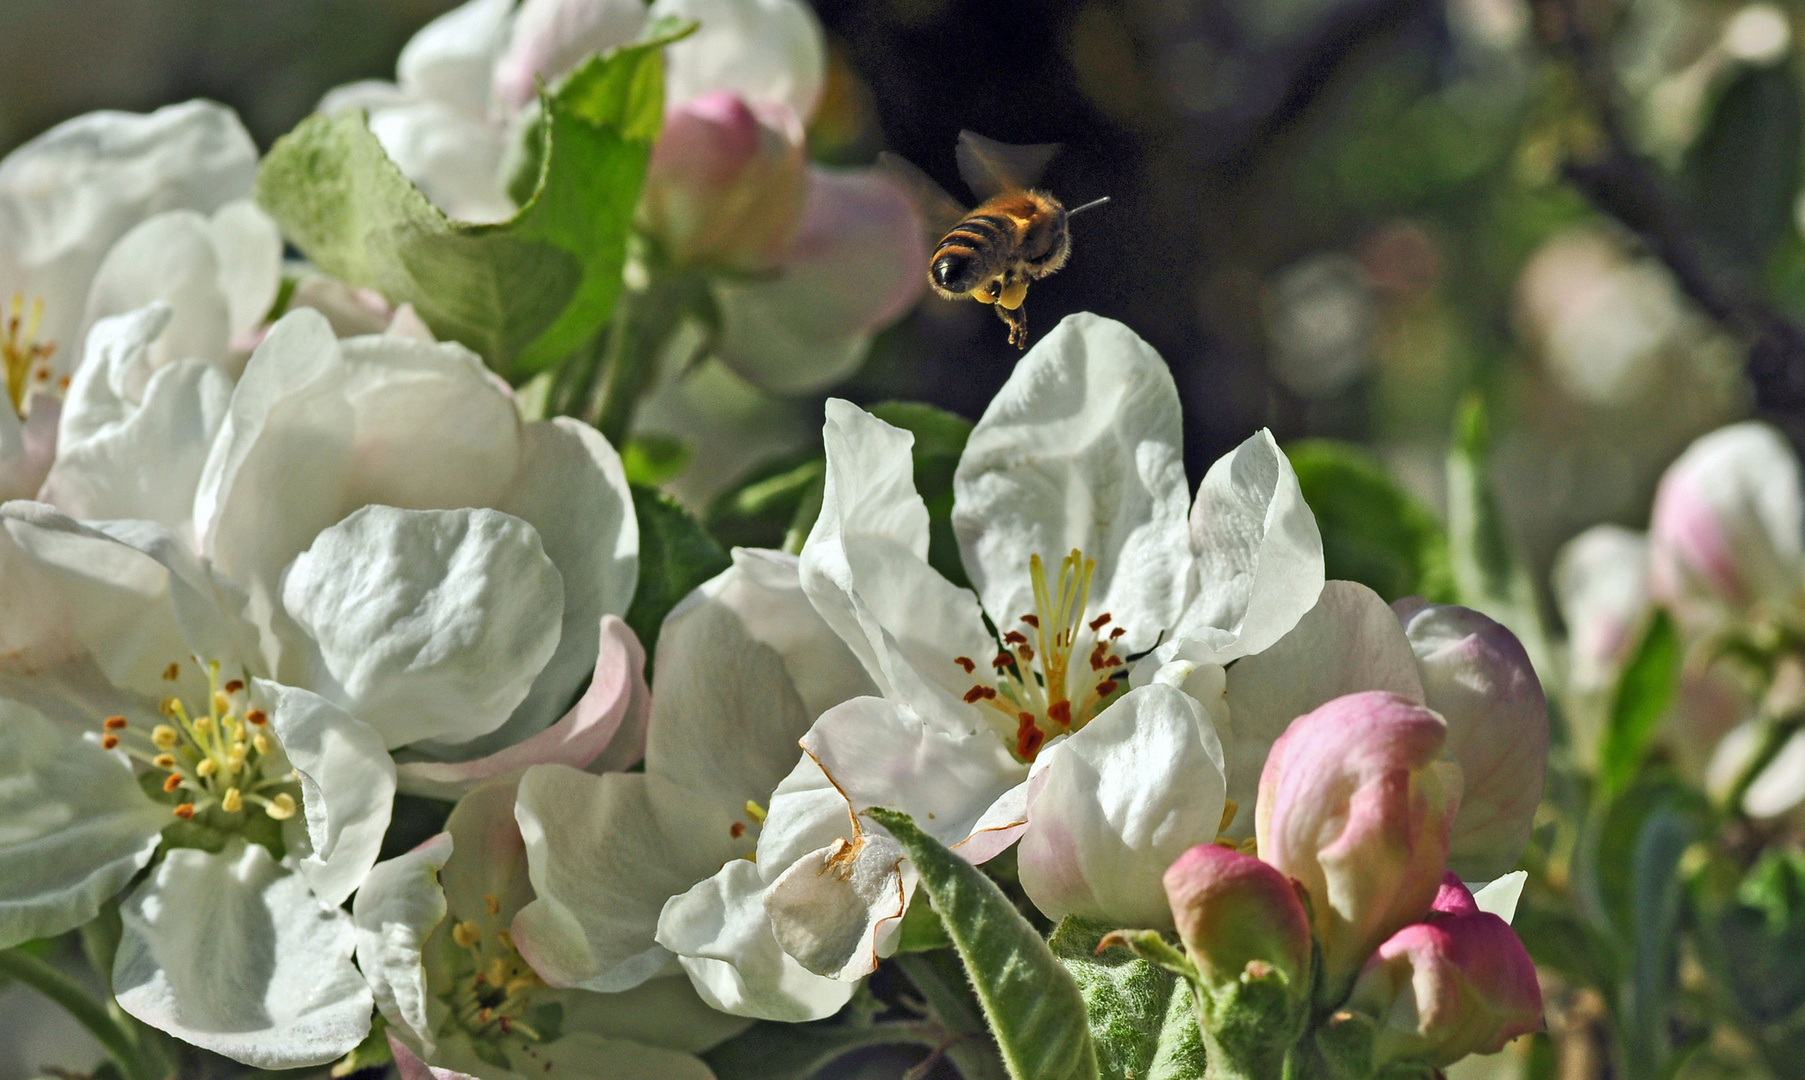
(1454, 898)
(1232, 909)
(613, 708)
(1443, 989)
(1356, 806)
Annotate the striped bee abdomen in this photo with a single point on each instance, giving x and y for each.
(972, 253)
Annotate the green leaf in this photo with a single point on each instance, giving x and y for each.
(650, 460)
(524, 293)
(1559, 940)
(1373, 531)
(939, 440)
(921, 929)
(774, 1051)
(1487, 575)
(1753, 937)
(675, 556)
(1033, 1006)
(1742, 172)
(760, 510)
(1143, 1021)
(1644, 691)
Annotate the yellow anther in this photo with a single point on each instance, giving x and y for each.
(232, 801)
(164, 736)
(235, 756)
(1229, 809)
(520, 983)
(491, 903)
(203, 724)
(755, 811)
(261, 742)
(499, 970)
(505, 937)
(164, 761)
(207, 767)
(466, 934)
(282, 807)
(172, 707)
(221, 705)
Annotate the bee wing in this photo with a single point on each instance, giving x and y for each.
(939, 211)
(991, 168)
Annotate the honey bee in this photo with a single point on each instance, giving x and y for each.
(1015, 236)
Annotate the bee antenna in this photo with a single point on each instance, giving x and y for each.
(1093, 204)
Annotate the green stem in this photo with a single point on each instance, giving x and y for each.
(65, 992)
(970, 1050)
(644, 321)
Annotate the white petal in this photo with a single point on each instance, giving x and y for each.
(763, 50)
(857, 263)
(1781, 786)
(549, 37)
(397, 909)
(838, 909)
(68, 194)
(1501, 894)
(347, 785)
(722, 936)
(879, 754)
(864, 567)
(1259, 554)
(664, 1012)
(602, 868)
(249, 248)
(1350, 641)
(136, 454)
(367, 94)
(449, 60)
(234, 954)
(1122, 799)
(74, 827)
(169, 257)
(1601, 583)
(28, 447)
(571, 488)
(1729, 519)
(453, 158)
(585, 1055)
(432, 623)
(614, 704)
(1082, 448)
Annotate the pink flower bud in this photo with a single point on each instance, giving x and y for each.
(1726, 527)
(1231, 910)
(1477, 676)
(1356, 806)
(726, 185)
(1437, 991)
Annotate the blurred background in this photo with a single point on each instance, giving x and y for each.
(1332, 217)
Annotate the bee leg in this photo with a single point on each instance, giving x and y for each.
(1017, 320)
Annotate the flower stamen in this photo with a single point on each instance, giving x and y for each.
(24, 357)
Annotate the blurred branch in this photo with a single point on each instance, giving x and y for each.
(1629, 187)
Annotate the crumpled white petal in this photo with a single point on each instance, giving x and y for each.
(1259, 553)
(431, 623)
(347, 785)
(68, 194)
(722, 936)
(235, 954)
(763, 50)
(864, 567)
(838, 909)
(74, 827)
(1082, 448)
(1349, 642)
(396, 910)
(134, 435)
(1118, 802)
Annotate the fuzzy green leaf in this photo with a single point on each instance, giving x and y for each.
(1033, 1006)
(675, 556)
(1143, 1020)
(524, 293)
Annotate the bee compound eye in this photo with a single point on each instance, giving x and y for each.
(950, 271)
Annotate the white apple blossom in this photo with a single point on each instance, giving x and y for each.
(744, 666)
(1072, 516)
(65, 198)
(437, 932)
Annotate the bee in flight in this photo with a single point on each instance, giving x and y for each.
(1015, 236)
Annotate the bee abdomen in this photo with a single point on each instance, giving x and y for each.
(963, 260)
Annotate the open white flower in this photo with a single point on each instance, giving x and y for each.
(744, 666)
(437, 936)
(65, 198)
(1077, 528)
(269, 802)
